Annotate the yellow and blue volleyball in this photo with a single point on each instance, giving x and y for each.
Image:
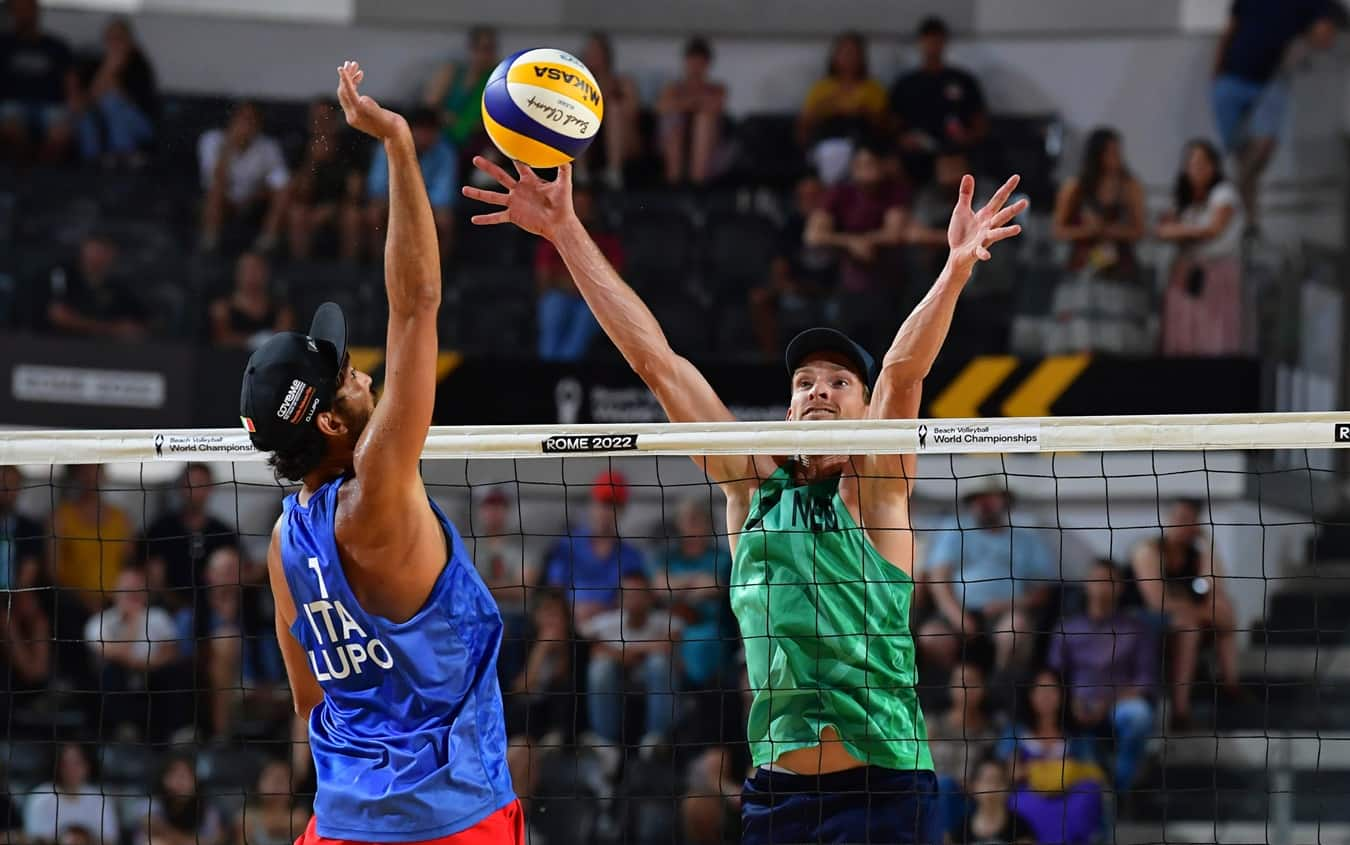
(542, 107)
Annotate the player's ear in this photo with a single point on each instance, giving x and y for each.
(330, 424)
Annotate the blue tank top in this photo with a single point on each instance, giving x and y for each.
(409, 741)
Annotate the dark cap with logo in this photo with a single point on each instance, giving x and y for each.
(291, 378)
(830, 340)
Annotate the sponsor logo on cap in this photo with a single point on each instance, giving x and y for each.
(297, 397)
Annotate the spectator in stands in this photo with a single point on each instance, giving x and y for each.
(711, 807)
(89, 299)
(938, 106)
(455, 95)
(94, 538)
(1202, 308)
(22, 539)
(179, 814)
(69, 801)
(566, 324)
(326, 188)
(958, 738)
(179, 542)
(620, 138)
(270, 815)
(77, 835)
(1100, 212)
(800, 276)
(691, 110)
(227, 671)
(135, 648)
(1251, 78)
(631, 645)
(498, 550)
(121, 102)
(864, 219)
(25, 650)
(252, 312)
(991, 821)
(588, 563)
(693, 585)
(39, 89)
(440, 172)
(541, 700)
(841, 107)
(988, 580)
(244, 175)
(1108, 659)
(1059, 787)
(1180, 579)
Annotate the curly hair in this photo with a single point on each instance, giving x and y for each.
(299, 458)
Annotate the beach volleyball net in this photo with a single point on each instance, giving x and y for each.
(139, 629)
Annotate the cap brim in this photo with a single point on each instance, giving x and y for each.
(330, 324)
(828, 340)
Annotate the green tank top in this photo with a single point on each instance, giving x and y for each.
(825, 622)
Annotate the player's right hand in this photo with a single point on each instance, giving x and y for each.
(539, 207)
(361, 110)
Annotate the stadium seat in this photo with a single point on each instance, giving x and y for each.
(737, 251)
(129, 764)
(1030, 145)
(27, 762)
(228, 769)
(493, 245)
(658, 246)
(768, 153)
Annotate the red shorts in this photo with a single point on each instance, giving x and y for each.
(504, 827)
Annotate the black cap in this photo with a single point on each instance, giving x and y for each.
(818, 339)
(291, 378)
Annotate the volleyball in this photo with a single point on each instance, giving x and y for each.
(542, 107)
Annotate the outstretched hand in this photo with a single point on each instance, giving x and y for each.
(971, 233)
(534, 205)
(361, 110)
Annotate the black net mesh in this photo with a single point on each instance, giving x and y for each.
(1140, 647)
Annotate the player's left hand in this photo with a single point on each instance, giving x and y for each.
(971, 233)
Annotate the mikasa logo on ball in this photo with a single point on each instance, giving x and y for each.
(579, 82)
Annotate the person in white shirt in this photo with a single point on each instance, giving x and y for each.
(1202, 308)
(244, 175)
(134, 647)
(70, 801)
(631, 644)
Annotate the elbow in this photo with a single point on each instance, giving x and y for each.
(903, 371)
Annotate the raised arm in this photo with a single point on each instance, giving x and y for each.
(899, 387)
(545, 209)
(916, 345)
(412, 278)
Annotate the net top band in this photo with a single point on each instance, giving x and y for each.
(1319, 430)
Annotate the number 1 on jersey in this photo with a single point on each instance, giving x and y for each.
(323, 588)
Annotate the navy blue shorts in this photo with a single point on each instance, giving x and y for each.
(864, 806)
